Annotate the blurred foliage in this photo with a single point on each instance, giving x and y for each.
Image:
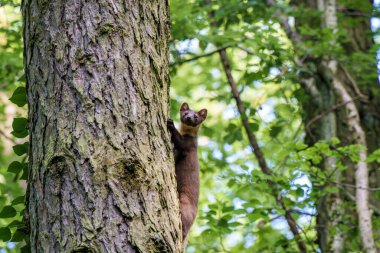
(237, 212)
(13, 165)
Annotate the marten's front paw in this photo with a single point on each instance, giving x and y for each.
(170, 124)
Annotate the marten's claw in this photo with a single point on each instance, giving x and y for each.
(170, 123)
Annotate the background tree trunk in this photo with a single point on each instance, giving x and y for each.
(321, 86)
(101, 166)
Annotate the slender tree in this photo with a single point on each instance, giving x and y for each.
(101, 167)
(346, 95)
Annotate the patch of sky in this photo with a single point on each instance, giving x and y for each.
(273, 72)
(215, 73)
(249, 240)
(11, 245)
(234, 238)
(227, 147)
(303, 182)
(190, 249)
(238, 203)
(238, 155)
(217, 154)
(188, 46)
(281, 225)
(230, 112)
(216, 85)
(266, 110)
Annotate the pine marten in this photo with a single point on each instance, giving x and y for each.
(186, 163)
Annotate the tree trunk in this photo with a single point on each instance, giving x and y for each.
(101, 165)
(355, 121)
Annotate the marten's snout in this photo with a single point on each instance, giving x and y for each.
(190, 118)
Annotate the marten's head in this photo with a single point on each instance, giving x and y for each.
(191, 120)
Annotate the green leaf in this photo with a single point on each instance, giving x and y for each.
(254, 127)
(299, 192)
(222, 223)
(21, 149)
(231, 127)
(334, 141)
(8, 212)
(274, 131)
(18, 236)
(25, 249)
(25, 173)
(16, 223)
(203, 44)
(231, 183)
(18, 200)
(230, 138)
(285, 110)
(15, 167)
(19, 97)
(234, 224)
(300, 145)
(254, 216)
(331, 190)
(226, 209)
(19, 124)
(375, 156)
(5, 234)
(22, 134)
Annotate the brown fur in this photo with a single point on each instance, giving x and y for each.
(188, 130)
(186, 163)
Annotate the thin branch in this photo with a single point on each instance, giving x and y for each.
(308, 239)
(276, 217)
(321, 115)
(247, 50)
(256, 149)
(354, 84)
(352, 13)
(292, 34)
(222, 244)
(303, 213)
(354, 186)
(6, 136)
(180, 62)
(327, 179)
(235, 93)
(253, 142)
(352, 198)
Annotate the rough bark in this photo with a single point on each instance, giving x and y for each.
(101, 165)
(355, 121)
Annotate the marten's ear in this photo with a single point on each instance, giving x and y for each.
(203, 113)
(185, 107)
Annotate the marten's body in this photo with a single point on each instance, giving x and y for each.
(186, 163)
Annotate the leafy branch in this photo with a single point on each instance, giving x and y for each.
(253, 141)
